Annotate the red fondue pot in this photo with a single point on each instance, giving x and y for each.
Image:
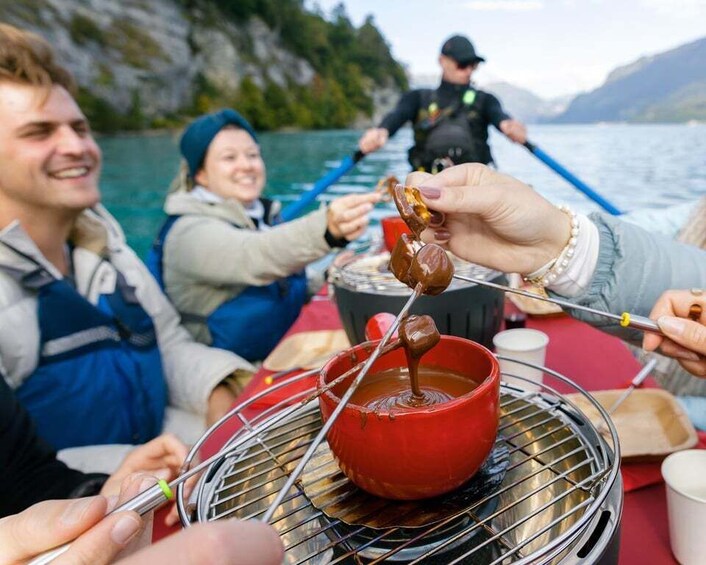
(420, 453)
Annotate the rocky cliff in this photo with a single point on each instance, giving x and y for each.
(147, 63)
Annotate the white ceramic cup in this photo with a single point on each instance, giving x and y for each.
(684, 473)
(523, 344)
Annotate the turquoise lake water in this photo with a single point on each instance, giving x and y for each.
(634, 166)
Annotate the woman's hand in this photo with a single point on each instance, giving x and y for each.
(684, 339)
(226, 542)
(347, 217)
(161, 458)
(52, 523)
(492, 219)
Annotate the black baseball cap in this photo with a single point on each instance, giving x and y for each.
(461, 50)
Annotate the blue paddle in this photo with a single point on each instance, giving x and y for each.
(578, 183)
(292, 210)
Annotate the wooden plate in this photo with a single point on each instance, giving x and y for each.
(306, 350)
(651, 424)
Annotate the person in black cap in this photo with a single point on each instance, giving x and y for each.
(451, 122)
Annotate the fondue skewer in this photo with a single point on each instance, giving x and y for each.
(341, 405)
(634, 384)
(625, 319)
(162, 492)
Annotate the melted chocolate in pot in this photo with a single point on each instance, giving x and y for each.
(388, 390)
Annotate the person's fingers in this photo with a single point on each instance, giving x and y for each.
(172, 517)
(348, 229)
(102, 543)
(437, 219)
(466, 175)
(417, 178)
(216, 543)
(663, 307)
(165, 451)
(674, 303)
(691, 335)
(47, 525)
(131, 487)
(441, 235)
(462, 199)
(696, 368)
(671, 349)
(352, 236)
(352, 212)
(170, 445)
(651, 341)
(678, 303)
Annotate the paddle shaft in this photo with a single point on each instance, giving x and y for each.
(567, 175)
(295, 208)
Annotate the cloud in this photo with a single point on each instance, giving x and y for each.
(505, 5)
(676, 9)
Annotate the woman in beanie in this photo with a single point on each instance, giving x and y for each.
(234, 274)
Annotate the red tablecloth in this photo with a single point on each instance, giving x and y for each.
(595, 361)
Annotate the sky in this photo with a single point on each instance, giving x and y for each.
(550, 47)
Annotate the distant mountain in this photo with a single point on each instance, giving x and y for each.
(668, 87)
(524, 104)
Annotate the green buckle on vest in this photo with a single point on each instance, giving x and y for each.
(469, 97)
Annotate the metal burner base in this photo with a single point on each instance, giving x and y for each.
(372, 527)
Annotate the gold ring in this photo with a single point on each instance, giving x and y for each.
(696, 291)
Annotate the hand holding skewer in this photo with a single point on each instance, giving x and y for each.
(680, 317)
(505, 223)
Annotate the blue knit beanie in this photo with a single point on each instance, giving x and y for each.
(200, 133)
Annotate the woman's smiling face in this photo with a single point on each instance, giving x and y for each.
(233, 167)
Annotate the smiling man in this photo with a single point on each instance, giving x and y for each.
(89, 343)
(451, 122)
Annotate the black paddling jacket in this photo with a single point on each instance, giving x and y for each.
(29, 469)
(451, 121)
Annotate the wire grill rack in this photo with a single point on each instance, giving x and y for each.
(559, 474)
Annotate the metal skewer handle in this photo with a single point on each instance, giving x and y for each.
(625, 319)
(156, 495)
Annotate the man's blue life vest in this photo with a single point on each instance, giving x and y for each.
(99, 379)
(251, 323)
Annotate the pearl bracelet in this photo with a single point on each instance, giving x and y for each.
(548, 273)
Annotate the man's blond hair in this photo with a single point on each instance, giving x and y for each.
(27, 58)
